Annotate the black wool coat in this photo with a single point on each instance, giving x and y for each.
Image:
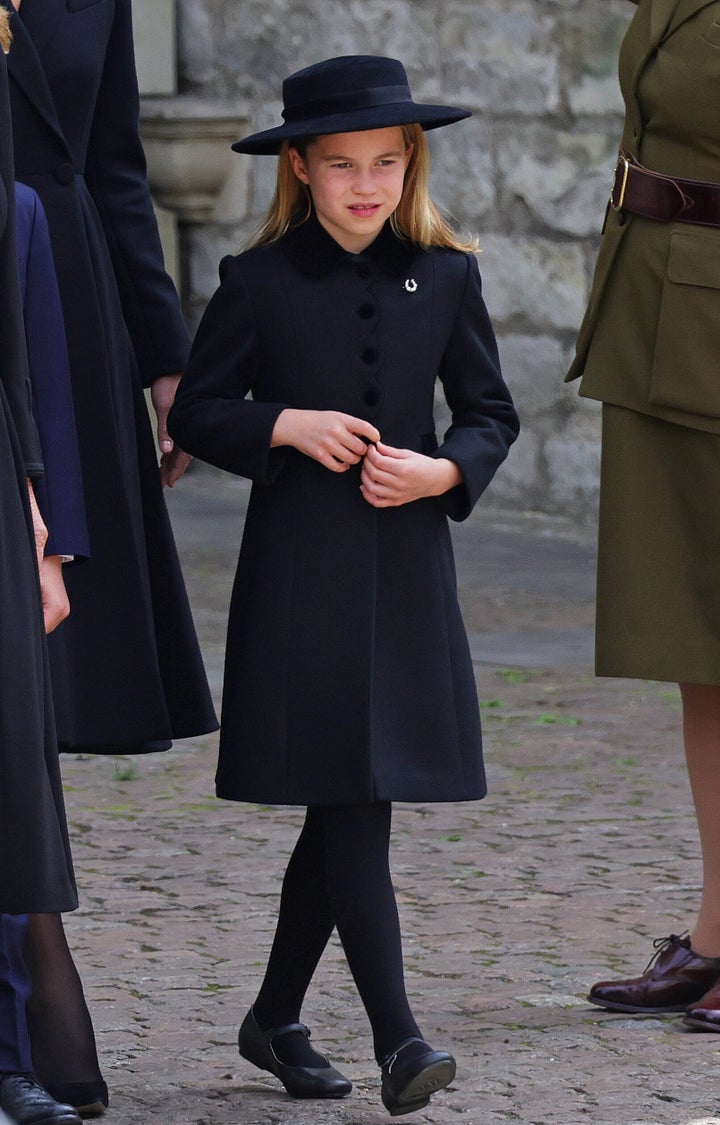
(348, 676)
(35, 866)
(126, 668)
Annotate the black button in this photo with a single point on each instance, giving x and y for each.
(366, 311)
(371, 396)
(369, 355)
(65, 173)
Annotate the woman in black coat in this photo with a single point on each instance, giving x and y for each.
(348, 680)
(35, 864)
(126, 669)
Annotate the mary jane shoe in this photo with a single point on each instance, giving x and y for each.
(256, 1046)
(412, 1074)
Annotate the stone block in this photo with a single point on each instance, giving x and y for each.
(561, 177)
(533, 284)
(518, 481)
(590, 39)
(534, 369)
(462, 178)
(572, 464)
(501, 57)
(154, 31)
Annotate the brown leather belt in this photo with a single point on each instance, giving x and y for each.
(642, 192)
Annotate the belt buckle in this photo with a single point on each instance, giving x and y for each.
(621, 168)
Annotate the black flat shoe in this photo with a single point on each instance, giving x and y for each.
(26, 1102)
(412, 1074)
(90, 1099)
(256, 1046)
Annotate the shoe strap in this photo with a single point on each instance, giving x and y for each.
(286, 1028)
(391, 1059)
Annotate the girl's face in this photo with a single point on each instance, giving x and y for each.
(356, 180)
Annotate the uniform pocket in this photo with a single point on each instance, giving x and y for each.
(711, 34)
(686, 366)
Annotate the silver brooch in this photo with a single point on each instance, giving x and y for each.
(410, 285)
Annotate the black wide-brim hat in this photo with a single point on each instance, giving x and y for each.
(346, 95)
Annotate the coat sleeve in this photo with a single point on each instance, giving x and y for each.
(212, 418)
(117, 180)
(484, 419)
(13, 355)
(60, 493)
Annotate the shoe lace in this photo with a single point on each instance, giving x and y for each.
(24, 1081)
(663, 943)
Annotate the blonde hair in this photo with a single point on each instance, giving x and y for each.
(5, 33)
(416, 217)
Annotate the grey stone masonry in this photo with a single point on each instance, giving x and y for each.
(528, 174)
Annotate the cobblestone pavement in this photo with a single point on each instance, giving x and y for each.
(584, 852)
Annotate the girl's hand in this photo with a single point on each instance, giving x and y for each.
(55, 602)
(391, 477)
(336, 440)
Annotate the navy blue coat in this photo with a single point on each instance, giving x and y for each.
(59, 491)
(348, 676)
(127, 672)
(35, 865)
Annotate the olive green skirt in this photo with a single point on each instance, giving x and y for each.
(658, 585)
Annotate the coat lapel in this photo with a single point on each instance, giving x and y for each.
(24, 60)
(661, 12)
(665, 17)
(683, 10)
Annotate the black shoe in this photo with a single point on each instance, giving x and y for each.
(26, 1102)
(89, 1098)
(412, 1074)
(255, 1045)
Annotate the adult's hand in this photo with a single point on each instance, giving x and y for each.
(336, 440)
(55, 602)
(173, 460)
(40, 532)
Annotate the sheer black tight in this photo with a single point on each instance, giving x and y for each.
(61, 1031)
(339, 876)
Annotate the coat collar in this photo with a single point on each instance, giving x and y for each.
(315, 253)
(24, 60)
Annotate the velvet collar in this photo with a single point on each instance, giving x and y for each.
(315, 253)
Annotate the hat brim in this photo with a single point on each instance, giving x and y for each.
(268, 142)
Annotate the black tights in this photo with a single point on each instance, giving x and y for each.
(339, 876)
(61, 1031)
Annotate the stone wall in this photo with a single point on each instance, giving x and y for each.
(529, 173)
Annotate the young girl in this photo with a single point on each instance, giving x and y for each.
(348, 680)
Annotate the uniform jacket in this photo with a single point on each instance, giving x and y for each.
(348, 676)
(127, 671)
(35, 865)
(650, 340)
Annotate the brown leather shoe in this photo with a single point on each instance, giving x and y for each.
(705, 1014)
(674, 978)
